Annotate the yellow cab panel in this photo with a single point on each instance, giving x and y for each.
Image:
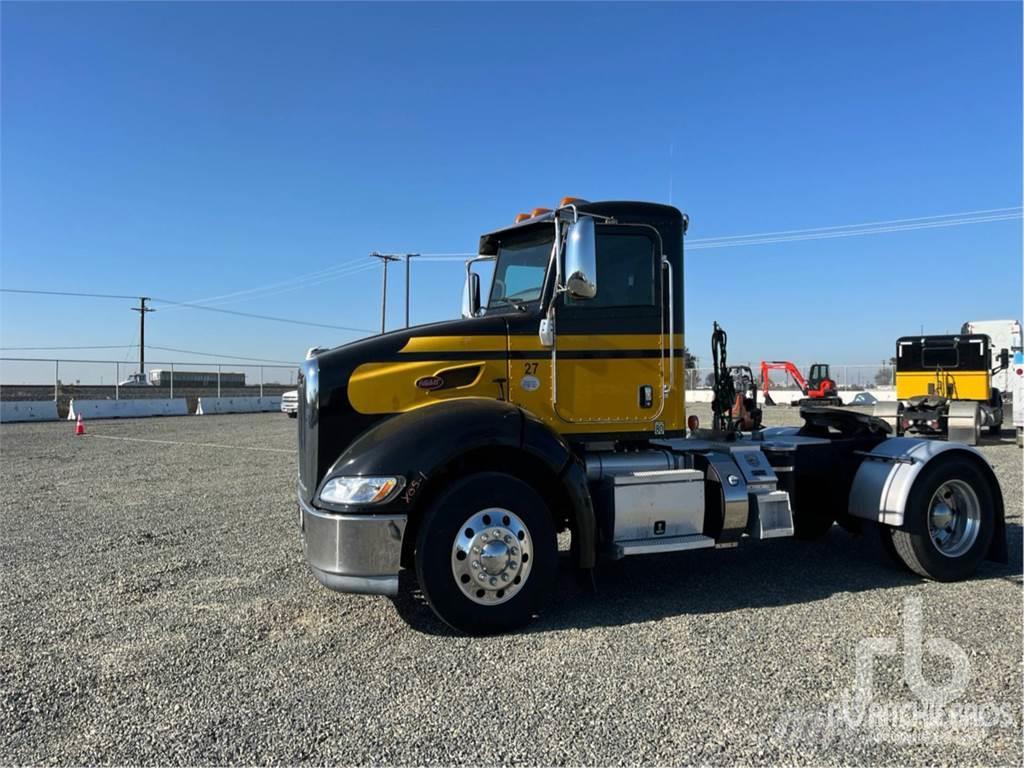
(954, 367)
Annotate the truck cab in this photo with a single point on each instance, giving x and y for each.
(944, 386)
(456, 452)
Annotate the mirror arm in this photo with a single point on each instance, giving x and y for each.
(469, 271)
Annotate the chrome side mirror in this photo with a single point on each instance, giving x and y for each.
(471, 296)
(581, 259)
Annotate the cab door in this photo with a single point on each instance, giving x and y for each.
(610, 350)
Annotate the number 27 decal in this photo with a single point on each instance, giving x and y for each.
(531, 369)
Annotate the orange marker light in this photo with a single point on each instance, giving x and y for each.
(539, 211)
(568, 201)
(521, 217)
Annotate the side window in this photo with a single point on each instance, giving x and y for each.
(625, 272)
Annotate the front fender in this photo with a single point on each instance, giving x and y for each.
(416, 443)
(420, 443)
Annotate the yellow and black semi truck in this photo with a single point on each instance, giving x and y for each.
(455, 452)
(944, 387)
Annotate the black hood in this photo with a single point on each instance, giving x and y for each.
(329, 423)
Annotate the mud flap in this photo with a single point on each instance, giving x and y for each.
(963, 422)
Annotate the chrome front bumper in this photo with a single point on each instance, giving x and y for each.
(353, 553)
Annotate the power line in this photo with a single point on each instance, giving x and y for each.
(69, 293)
(820, 233)
(190, 306)
(439, 256)
(307, 284)
(985, 212)
(260, 317)
(152, 346)
(448, 257)
(105, 346)
(829, 235)
(299, 281)
(225, 357)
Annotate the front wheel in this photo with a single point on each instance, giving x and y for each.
(949, 519)
(486, 553)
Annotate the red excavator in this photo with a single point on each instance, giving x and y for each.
(817, 389)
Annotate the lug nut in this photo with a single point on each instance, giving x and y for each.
(508, 539)
(493, 581)
(513, 564)
(514, 551)
(476, 563)
(504, 577)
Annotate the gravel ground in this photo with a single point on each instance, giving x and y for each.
(156, 609)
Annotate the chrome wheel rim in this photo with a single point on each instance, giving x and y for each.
(954, 518)
(492, 556)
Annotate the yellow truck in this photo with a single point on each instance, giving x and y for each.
(452, 455)
(944, 387)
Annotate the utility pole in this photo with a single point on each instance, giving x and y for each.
(384, 258)
(408, 258)
(142, 309)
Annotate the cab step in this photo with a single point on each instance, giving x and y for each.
(660, 544)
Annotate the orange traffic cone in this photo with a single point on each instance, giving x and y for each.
(79, 426)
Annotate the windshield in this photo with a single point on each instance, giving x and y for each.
(519, 272)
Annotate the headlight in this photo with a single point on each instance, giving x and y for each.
(360, 490)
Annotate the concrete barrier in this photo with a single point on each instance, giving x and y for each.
(210, 405)
(127, 409)
(786, 396)
(27, 410)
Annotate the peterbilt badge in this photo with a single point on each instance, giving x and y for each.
(430, 382)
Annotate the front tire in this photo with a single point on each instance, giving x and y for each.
(486, 553)
(949, 519)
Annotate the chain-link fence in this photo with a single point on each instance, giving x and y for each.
(62, 380)
(853, 378)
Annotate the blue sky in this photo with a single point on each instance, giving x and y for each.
(194, 150)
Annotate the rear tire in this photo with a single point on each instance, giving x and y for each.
(486, 554)
(949, 520)
(887, 548)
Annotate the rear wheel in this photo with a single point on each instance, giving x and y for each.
(486, 553)
(949, 517)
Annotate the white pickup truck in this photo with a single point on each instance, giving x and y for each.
(290, 403)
